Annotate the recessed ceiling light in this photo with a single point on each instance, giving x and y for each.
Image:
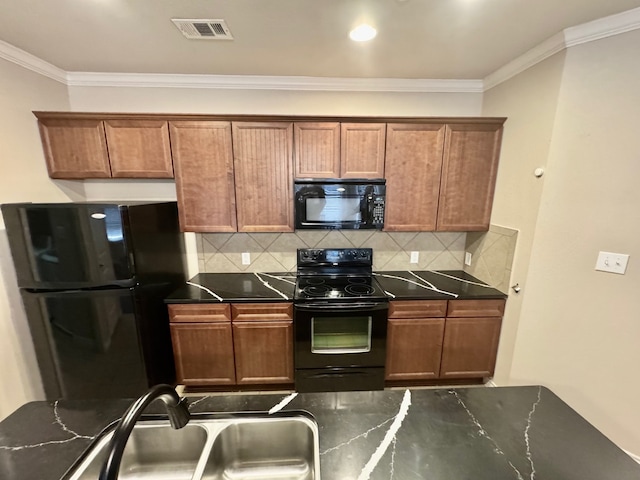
(362, 33)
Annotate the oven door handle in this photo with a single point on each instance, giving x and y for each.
(343, 306)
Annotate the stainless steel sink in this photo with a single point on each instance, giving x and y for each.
(265, 449)
(282, 446)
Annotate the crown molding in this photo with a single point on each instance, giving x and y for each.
(31, 62)
(569, 37)
(259, 82)
(603, 27)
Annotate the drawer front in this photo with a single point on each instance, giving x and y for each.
(476, 308)
(262, 312)
(200, 312)
(417, 308)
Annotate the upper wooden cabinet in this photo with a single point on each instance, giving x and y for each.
(263, 166)
(83, 147)
(205, 184)
(469, 170)
(139, 148)
(362, 149)
(317, 149)
(413, 166)
(339, 150)
(75, 148)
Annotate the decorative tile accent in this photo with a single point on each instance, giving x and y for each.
(273, 252)
(492, 255)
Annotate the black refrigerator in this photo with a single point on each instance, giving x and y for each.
(93, 277)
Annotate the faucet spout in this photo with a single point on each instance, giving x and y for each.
(178, 417)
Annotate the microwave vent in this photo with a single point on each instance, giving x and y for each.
(202, 29)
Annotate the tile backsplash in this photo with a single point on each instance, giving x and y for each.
(492, 255)
(276, 252)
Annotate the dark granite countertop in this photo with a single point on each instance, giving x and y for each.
(236, 287)
(435, 285)
(280, 287)
(509, 433)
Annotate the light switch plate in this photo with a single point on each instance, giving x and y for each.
(415, 257)
(612, 262)
(467, 259)
(246, 258)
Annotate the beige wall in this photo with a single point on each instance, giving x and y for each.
(579, 329)
(23, 177)
(529, 100)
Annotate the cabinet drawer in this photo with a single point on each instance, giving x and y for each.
(262, 311)
(417, 308)
(199, 312)
(476, 308)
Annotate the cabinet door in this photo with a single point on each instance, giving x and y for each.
(203, 162)
(470, 347)
(362, 150)
(203, 353)
(75, 148)
(317, 149)
(139, 148)
(414, 348)
(262, 156)
(469, 172)
(413, 167)
(263, 352)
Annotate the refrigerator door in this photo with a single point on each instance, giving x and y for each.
(87, 343)
(62, 246)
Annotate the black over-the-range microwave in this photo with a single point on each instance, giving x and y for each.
(344, 203)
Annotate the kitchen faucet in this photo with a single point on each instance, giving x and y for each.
(178, 417)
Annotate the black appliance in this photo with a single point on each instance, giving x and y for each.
(339, 203)
(93, 278)
(340, 321)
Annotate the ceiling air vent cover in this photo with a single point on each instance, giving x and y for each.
(203, 29)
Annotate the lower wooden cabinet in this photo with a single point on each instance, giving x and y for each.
(233, 344)
(431, 340)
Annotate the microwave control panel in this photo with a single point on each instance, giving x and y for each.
(378, 211)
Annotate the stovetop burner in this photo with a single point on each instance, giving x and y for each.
(337, 273)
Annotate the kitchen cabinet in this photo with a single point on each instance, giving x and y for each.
(139, 148)
(263, 167)
(205, 184)
(317, 149)
(447, 173)
(413, 168)
(263, 343)
(84, 147)
(339, 150)
(472, 332)
(435, 340)
(202, 340)
(75, 148)
(415, 334)
(469, 170)
(232, 344)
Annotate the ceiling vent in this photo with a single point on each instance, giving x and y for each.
(203, 29)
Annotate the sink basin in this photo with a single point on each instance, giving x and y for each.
(275, 448)
(282, 446)
(154, 450)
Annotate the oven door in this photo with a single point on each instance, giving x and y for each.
(331, 335)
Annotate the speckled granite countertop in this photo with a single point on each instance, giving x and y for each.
(280, 287)
(509, 433)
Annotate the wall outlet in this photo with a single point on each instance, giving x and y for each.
(467, 259)
(415, 257)
(612, 262)
(246, 258)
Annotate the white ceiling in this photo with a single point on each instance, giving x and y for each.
(417, 39)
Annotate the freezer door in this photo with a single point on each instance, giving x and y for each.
(87, 343)
(68, 245)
